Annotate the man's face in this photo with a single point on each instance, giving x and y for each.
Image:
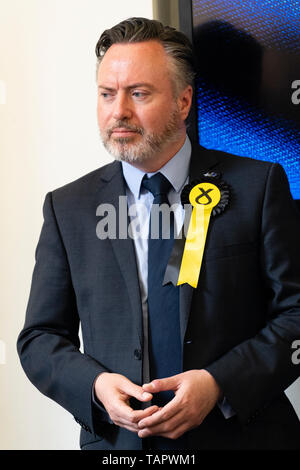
(138, 114)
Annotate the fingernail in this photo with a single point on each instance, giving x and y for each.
(146, 395)
(148, 385)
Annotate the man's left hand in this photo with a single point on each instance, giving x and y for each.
(196, 393)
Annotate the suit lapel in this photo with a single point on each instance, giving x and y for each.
(202, 160)
(113, 187)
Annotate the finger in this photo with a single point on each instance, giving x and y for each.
(160, 385)
(129, 428)
(136, 391)
(121, 409)
(171, 409)
(137, 415)
(175, 433)
(126, 416)
(132, 428)
(167, 428)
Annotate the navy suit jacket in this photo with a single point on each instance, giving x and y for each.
(239, 323)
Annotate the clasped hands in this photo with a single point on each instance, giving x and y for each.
(196, 393)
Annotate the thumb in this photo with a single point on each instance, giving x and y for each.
(161, 385)
(136, 391)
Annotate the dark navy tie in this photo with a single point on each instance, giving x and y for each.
(163, 301)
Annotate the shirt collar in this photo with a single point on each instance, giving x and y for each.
(176, 170)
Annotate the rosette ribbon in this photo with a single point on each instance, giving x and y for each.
(208, 197)
(203, 197)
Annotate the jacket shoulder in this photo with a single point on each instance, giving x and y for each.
(244, 169)
(238, 160)
(86, 184)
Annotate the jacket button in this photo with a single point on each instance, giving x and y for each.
(138, 354)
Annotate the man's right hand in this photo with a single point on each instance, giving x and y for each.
(114, 392)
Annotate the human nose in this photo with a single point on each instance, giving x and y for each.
(122, 108)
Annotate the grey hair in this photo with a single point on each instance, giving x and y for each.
(176, 44)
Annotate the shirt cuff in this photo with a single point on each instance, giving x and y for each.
(225, 408)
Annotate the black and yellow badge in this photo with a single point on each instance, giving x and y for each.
(208, 196)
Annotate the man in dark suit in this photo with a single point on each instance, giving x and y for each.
(165, 366)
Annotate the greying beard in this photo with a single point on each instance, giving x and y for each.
(150, 145)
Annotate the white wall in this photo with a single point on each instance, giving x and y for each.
(48, 137)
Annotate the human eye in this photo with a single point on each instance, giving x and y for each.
(140, 95)
(105, 95)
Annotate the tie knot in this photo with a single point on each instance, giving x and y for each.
(157, 184)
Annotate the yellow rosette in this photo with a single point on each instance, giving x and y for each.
(203, 197)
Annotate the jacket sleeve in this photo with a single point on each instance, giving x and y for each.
(48, 345)
(261, 368)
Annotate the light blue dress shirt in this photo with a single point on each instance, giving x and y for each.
(139, 200)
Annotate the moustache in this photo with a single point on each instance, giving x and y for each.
(123, 125)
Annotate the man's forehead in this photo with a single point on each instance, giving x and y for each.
(147, 57)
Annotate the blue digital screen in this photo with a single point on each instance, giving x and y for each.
(248, 81)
